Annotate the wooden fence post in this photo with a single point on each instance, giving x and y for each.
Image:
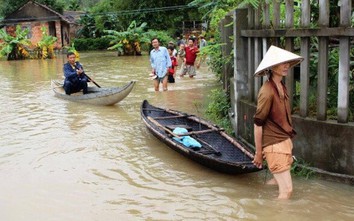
(257, 52)
(240, 88)
(305, 64)
(266, 25)
(322, 75)
(276, 20)
(289, 45)
(251, 56)
(344, 64)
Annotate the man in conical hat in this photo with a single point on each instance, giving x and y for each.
(273, 128)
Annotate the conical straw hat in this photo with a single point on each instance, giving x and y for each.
(275, 56)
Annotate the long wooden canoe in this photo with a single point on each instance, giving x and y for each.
(219, 151)
(95, 95)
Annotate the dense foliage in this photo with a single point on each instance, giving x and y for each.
(87, 44)
(117, 15)
(158, 14)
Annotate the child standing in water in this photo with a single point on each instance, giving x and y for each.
(172, 70)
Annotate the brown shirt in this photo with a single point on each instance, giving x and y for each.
(273, 114)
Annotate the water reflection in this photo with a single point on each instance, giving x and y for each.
(61, 160)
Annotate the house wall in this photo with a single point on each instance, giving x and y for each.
(36, 33)
(58, 31)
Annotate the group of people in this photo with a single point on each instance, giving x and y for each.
(199, 42)
(273, 128)
(164, 62)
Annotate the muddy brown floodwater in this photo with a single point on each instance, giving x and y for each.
(68, 161)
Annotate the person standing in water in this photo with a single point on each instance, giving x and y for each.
(273, 127)
(160, 62)
(172, 70)
(181, 58)
(190, 59)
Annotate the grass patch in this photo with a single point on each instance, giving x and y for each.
(218, 108)
(302, 169)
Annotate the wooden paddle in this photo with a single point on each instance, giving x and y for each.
(162, 127)
(91, 80)
(217, 153)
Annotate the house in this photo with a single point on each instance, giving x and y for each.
(33, 15)
(74, 18)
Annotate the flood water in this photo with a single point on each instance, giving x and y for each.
(61, 160)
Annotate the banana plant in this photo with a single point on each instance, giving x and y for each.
(45, 46)
(128, 42)
(73, 49)
(14, 46)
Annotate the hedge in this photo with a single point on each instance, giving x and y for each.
(86, 44)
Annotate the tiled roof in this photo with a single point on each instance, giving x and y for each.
(13, 19)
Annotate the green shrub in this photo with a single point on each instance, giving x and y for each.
(218, 108)
(216, 60)
(86, 44)
(163, 36)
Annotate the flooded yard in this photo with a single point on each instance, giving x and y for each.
(61, 160)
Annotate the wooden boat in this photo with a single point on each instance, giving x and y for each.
(219, 151)
(95, 95)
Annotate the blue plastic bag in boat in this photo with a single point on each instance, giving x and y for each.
(186, 140)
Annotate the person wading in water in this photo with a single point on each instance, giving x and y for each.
(273, 128)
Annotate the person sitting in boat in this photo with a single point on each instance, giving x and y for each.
(75, 77)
